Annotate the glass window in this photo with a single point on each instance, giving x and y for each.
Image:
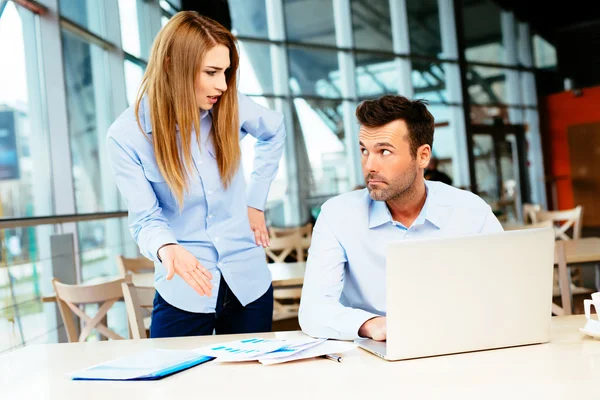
(376, 75)
(424, 27)
(429, 81)
(87, 99)
(279, 184)
(309, 21)
(486, 84)
(249, 18)
(133, 77)
(87, 13)
(130, 29)
(545, 53)
(255, 72)
(25, 173)
(325, 167)
(371, 24)
(444, 138)
(314, 72)
(483, 32)
(496, 114)
(23, 268)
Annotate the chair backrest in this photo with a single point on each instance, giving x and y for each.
(69, 297)
(567, 219)
(134, 265)
(304, 231)
(139, 303)
(282, 247)
(529, 211)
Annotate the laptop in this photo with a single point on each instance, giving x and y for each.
(470, 293)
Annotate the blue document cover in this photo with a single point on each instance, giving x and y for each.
(147, 365)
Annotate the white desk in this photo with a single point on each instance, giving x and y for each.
(566, 368)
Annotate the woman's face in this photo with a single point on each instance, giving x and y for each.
(210, 82)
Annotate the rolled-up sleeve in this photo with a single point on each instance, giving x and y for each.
(321, 313)
(147, 224)
(268, 128)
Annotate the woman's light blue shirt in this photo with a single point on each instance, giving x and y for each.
(213, 224)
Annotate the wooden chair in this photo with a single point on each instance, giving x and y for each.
(134, 265)
(305, 231)
(69, 297)
(139, 304)
(566, 219)
(529, 211)
(284, 246)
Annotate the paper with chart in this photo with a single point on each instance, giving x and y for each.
(325, 347)
(254, 348)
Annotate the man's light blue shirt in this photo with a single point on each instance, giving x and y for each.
(213, 224)
(344, 283)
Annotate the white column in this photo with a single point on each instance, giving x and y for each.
(344, 40)
(460, 163)
(53, 98)
(401, 45)
(294, 214)
(109, 105)
(529, 96)
(40, 156)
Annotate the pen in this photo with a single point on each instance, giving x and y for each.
(333, 357)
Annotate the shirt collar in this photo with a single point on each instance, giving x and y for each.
(379, 213)
(147, 122)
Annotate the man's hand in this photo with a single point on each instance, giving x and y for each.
(179, 261)
(258, 226)
(375, 328)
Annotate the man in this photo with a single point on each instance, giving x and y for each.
(432, 173)
(344, 286)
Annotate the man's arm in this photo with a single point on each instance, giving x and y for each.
(321, 313)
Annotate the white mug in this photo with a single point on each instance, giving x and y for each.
(587, 303)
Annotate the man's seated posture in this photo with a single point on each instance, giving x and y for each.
(344, 293)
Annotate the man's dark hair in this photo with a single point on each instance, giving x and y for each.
(420, 122)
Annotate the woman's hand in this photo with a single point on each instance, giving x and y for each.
(258, 226)
(179, 261)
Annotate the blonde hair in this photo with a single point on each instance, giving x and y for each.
(168, 82)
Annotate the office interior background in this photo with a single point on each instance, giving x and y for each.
(510, 84)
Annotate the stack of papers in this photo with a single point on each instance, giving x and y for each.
(158, 363)
(274, 351)
(147, 365)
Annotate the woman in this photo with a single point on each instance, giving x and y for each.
(189, 209)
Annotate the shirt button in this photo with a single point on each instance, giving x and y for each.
(209, 192)
(200, 162)
(219, 264)
(211, 216)
(217, 239)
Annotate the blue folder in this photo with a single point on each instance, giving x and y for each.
(142, 366)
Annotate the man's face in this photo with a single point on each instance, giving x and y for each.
(388, 165)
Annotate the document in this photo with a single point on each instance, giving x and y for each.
(146, 365)
(321, 349)
(254, 349)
